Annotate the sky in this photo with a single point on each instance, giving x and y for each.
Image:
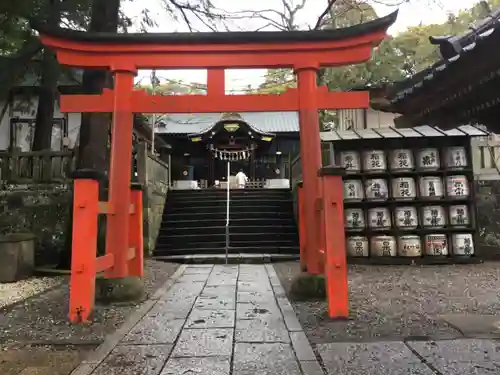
(411, 13)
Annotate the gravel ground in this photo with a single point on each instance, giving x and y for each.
(13, 292)
(36, 333)
(395, 302)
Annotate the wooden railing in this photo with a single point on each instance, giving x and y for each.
(35, 166)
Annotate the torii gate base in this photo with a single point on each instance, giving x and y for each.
(303, 51)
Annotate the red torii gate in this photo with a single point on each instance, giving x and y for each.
(123, 54)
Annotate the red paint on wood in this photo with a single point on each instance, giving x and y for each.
(302, 229)
(117, 225)
(335, 247)
(83, 250)
(249, 55)
(310, 156)
(141, 102)
(135, 235)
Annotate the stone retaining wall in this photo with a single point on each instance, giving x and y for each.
(41, 209)
(153, 174)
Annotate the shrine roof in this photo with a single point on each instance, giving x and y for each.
(393, 132)
(454, 50)
(262, 122)
(270, 37)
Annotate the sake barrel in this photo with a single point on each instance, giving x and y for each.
(350, 160)
(401, 160)
(436, 244)
(459, 215)
(374, 161)
(428, 159)
(409, 246)
(403, 188)
(463, 244)
(354, 218)
(379, 218)
(406, 217)
(376, 189)
(353, 191)
(456, 158)
(433, 217)
(383, 246)
(357, 246)
(457, 187)
(431, 187)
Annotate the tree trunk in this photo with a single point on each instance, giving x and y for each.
(93, 148)
(42, 139)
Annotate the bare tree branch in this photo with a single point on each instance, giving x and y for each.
(325, 13)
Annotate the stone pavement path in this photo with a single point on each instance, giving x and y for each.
(442, 357)
(214, 320)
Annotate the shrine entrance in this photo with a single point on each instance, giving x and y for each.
(123, 54)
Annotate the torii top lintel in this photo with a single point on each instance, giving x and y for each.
(295, 49)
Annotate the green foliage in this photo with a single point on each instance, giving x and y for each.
(397, 57)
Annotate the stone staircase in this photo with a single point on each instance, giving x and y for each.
(261, 226)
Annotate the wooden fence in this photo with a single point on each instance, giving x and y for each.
(35, 166)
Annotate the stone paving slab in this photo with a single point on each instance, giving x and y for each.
(219, 291)
(388, 358)
(460, 357)
(155, 330)
(172, 309)
(198, 270)
(254, 297)
(215, 302)
(201, 366)
(137, 359)
(210, 319)
(264, 359)
(193, 277)
(204, 343)
(262, 311)
(474, 324)
(261, 331)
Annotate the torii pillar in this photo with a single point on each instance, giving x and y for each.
(310, 155)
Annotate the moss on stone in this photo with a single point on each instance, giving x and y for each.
(121, 290)
(17, 237)
(306, 286)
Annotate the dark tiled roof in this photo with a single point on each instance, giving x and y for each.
(393, 132)
(453, 50)
(264, 122)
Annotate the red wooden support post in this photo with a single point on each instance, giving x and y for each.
(335, 245)
(84, 246)
(117, 225)
(136, 239)
(310, 155)
(302, 228)
(216, 83)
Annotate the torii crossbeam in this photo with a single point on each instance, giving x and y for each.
(303, 51)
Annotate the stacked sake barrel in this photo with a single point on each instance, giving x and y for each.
(407, 203)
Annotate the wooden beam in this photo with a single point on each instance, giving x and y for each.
(143, 103)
